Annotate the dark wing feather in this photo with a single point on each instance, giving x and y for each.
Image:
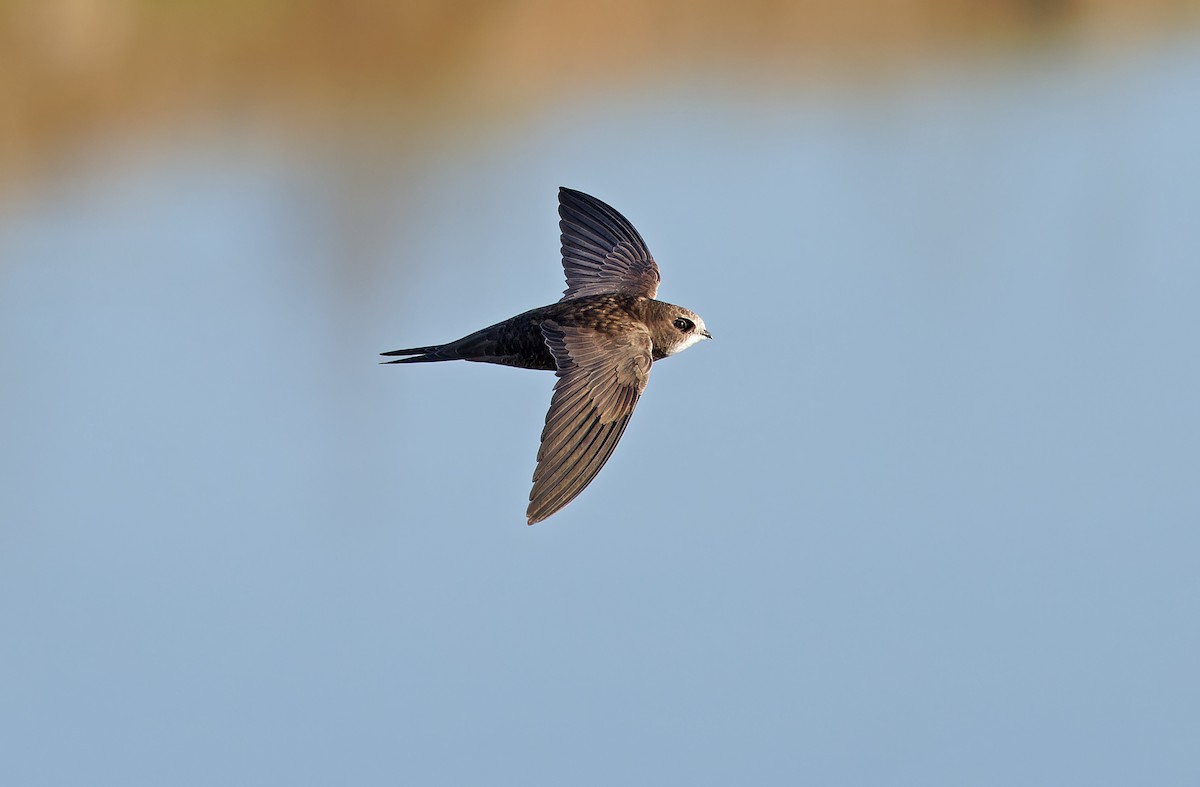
(600, 379)
(602, 252)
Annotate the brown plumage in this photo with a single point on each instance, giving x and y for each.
(600, 339)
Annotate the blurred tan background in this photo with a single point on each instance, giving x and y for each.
(72, 69)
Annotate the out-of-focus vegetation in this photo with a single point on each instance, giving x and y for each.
(70, 68)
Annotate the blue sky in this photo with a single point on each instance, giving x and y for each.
(923, 513)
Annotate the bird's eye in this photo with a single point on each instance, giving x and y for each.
(684, 324)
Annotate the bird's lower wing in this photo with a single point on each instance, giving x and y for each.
(600, 379)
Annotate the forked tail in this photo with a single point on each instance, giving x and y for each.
(422, 355)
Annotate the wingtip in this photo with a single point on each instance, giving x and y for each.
(534, 516)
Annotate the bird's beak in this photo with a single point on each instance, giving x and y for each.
(706, 334)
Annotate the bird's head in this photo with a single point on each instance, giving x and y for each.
(684, 329)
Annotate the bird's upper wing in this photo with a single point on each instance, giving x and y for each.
(602, 252)
(600, 378)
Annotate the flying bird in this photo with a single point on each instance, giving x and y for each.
(600, 340)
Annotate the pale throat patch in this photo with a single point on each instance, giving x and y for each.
(692, 338)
